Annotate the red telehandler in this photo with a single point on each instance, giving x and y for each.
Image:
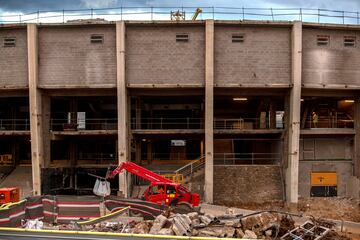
(161, 189)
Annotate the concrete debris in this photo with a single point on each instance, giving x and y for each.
(181, 225)
(142, 227)
(249, 235)
(159, 222)
(207, 219)
(239, 233)
(193, 215)
(261, 225)
(166, 231)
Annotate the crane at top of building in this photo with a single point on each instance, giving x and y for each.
(180, 15)
(196, 14)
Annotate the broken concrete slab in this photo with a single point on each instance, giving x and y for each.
(166, 231)
(249, 235)
(159, 222)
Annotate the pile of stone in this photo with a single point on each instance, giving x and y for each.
(263, 225)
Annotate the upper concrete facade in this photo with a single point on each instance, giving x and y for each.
(154, 57)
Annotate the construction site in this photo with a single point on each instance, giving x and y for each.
(250, 126)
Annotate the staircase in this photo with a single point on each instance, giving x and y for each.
(192, 169)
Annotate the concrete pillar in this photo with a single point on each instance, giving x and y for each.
(138, 151)
(46, 109)
(122, 104)
(138, 113)
(292, 171)
(35, 103)
(209, 111)
(357, 138)
(149, 152)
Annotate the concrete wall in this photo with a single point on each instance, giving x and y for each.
(13, 60)
(339, 148)
(335, 155)
(332, 64)
(263, 57)
(67, 58)
(244, 184)
(343, 169)
(154, 57)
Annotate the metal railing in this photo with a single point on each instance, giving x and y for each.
(175, 177)
(14, 124)
(208, 12)
(247, 158)
(328, 122)
(136, 180)
(88, 124)
(98, 157)
(191, 167)
(245, 123)
(170, 156)
(330, 159)
(167, 123)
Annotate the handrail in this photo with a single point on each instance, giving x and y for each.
(15, 124)
(189, 168)
(328, 122)
(246, 158)
(89, 123)
(167, 123)
(208, 12)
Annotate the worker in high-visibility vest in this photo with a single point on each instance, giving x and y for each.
(315, 119)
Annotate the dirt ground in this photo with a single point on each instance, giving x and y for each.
(331, 208)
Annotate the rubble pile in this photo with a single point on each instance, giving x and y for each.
(261, 225)
(264, 225)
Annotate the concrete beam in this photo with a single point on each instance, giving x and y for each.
(122, 105)
(209, 110)
(292, 171)
(37, 160)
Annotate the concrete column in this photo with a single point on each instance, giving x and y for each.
(209, 111)
(46, 109)
(138, 113)
(35, 103)
(292, 171)
(138, 151)
(122, 104)
(357, 138)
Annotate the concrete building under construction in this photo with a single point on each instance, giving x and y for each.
(247, 111)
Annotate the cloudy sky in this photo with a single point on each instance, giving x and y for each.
(9, 7)
(34, 5)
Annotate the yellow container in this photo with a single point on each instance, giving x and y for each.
(323, 179)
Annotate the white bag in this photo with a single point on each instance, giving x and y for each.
(102, 188)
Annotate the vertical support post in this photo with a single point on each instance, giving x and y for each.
(122, 104)
(46, 109)
(356, 160)
(35, 103)
(209, 111)
(138, 120)
(292, 171)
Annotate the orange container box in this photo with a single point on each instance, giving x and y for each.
(8, 195)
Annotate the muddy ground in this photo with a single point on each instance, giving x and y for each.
(332, 208)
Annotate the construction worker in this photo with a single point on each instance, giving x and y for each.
(160, 190)
(315, 119)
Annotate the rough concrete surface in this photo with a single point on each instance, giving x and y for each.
(21, 177)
